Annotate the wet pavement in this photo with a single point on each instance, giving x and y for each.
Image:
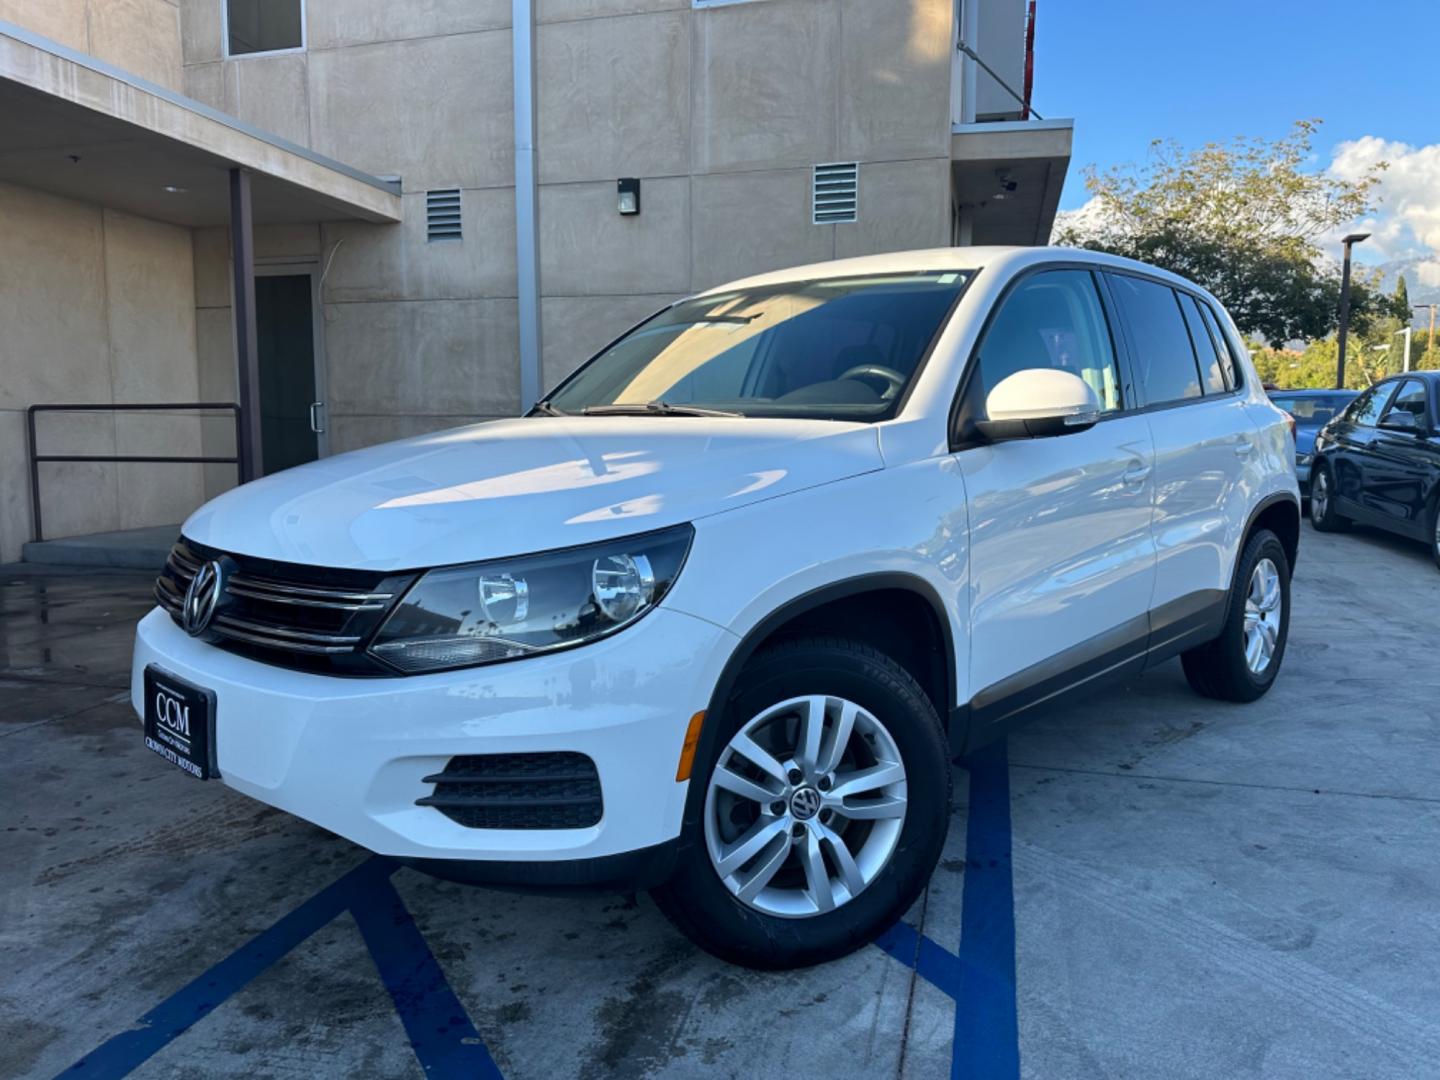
(1194, 890)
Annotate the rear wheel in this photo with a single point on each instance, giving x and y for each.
(825, 808)
(1241, 664)
(1322, 502)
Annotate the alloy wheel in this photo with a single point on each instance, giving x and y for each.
(805, 806)
(1262, 616)
(1319, 496)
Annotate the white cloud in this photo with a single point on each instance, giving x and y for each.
(1406, 223)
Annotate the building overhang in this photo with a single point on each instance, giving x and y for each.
(1006, 177)
(76, 126)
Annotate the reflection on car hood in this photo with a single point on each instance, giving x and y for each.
(509, 487)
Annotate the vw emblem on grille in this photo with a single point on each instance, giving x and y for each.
(805, 803)
(202, 597)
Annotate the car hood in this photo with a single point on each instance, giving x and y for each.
(509, 487)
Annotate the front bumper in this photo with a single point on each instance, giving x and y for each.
(348, 754)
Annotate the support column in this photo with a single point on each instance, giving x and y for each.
(527, 202)
(247, 362)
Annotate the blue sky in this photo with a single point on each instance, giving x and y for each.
(1128, 71)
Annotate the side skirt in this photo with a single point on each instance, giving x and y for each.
(1104, 660)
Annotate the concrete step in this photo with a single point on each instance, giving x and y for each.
(132, 549)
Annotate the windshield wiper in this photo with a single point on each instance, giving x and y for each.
(654, 408)
(547, 409)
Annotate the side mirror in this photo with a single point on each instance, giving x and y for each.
(1037, 403)
(1399, 420)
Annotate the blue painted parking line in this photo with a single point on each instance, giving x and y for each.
(981, 977)
(443, 1038)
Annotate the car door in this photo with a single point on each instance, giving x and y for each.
(1350, 452)
(1062, 558)
(1206, 458)
(1400, 461)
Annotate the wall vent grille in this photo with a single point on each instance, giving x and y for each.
(835, 193)
(442, 214)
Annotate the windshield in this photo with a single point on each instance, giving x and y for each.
(839, 349)
(1314, 410)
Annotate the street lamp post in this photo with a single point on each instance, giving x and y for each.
(1349, 242)
(1406, 333)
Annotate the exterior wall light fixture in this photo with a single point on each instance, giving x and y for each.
(627, 190)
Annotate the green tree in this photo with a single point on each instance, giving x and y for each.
(1402, 299)
(1243, 219)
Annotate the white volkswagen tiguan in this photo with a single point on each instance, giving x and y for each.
(715, 618)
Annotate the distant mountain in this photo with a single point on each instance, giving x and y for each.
(1419, 294)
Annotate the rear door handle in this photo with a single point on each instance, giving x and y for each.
(1136, 474)
(315, 425)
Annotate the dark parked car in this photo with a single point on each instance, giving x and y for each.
(1312, 410)
(1378, 462)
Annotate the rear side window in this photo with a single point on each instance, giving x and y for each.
(1222, 346)
(1164, 360)
(1053, 319)
(1206, 350)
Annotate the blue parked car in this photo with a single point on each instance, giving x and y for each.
(1312, 410)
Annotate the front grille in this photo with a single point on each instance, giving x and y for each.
(559, 790)
(308, 617)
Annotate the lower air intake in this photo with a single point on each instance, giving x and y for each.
(558, 790)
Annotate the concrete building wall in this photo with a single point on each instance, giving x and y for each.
(97, 306)
(141, 36)
(722, 112)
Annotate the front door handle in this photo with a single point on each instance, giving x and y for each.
(1243, 448)
(1136, 474)
(315, 425)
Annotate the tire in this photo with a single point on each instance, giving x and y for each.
(1435, 531)
(783, 924)
(1322, 501)
(1225, 668)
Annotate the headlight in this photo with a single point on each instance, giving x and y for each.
(511, 608)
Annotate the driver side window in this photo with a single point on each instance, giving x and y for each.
(1053, 320)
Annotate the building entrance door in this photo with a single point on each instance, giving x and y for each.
(292, 405)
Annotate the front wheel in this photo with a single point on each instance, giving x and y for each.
(1322, 501)
(1241, 664)
(825, 808)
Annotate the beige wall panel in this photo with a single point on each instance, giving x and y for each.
(54, 345)
(211, 254)
(150, 285)
(614, 97)
(211, 84)
(894, 72)
(435, 111)
(357, 432)
(334, 23)
(557, 10)
(61, 21)
(747, 223)
(396, 262)
(215, 354)
(14, 486)
(903, 205)
(576, 327)
(141, 36)
(764, 82)
(287, 241)
(587, 248)
(423, 357)
(78, 498)
(271, 93)
(152, 493)
(200, 30)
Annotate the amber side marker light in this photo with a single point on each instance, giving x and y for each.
(687, 752)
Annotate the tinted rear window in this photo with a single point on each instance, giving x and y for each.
(1163, 357)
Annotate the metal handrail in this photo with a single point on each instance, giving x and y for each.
(36, 458)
